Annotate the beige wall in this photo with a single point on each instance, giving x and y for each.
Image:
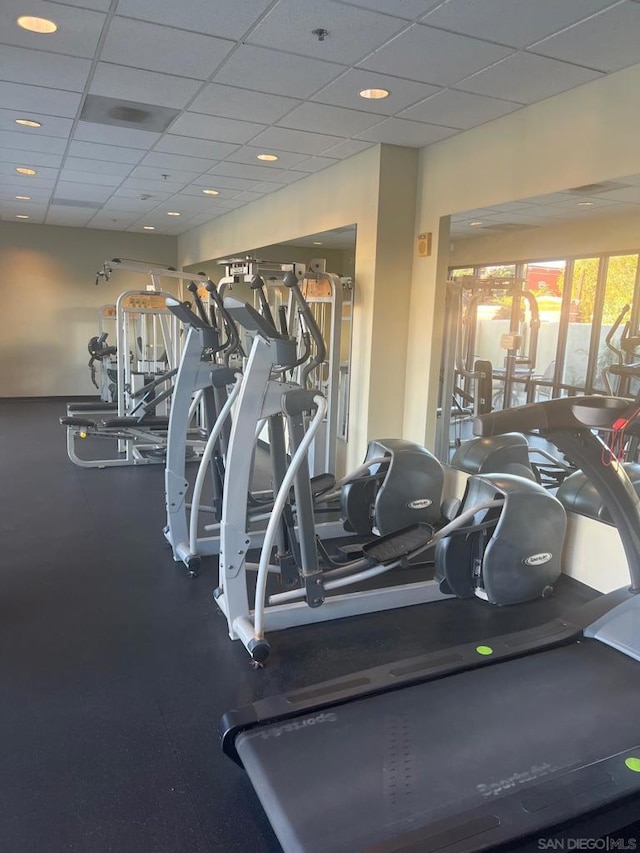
(50, 303)
(348, 193)
(583, 136)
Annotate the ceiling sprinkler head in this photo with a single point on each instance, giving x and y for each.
(320, 33)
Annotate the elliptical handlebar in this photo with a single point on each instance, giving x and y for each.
(290, 280)
(192, 287)
(257, 284)
(232, 344)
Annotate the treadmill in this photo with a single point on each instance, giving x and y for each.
(479, 745)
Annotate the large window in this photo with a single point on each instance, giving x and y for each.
(578, 300)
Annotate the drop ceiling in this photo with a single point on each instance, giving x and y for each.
(609, 198)
(146, 103)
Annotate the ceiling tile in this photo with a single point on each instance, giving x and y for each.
(38, 68)
(177, 162)
(527, 78)
(111, 153)
(258, 173)
(459, 109)
(227, 18)
(248, 196)
(347, 148)
(157, 48)
(352, 33)
(70, 216)
(224, 200)
(144, 185)
(315, 164)
(218, 182)
(275, 72)
(550, 198)
(332, 120)
(35, 159)
(609, 41)
(433, 56)
(189, 204)
(37, 195)
(77, 34)
(82, 164)
(132, 205)
(16, 206)
(130, 84)
(344, 92)
(96, 5)
(116, 221)
(249, 155)
(51, 125)
(44, 180)
(35, 217)
(155, 173)
(171, 144)
(25, 140)
(38, 100)
(82, 192)
(628, 194)
(96, 177)
(231, 102)
(299, 141)
(266, 187)
(517, 23)
(413, 134)
(215, 128)
(408, 9)
(89, 132)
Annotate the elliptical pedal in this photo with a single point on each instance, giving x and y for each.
(407, 542)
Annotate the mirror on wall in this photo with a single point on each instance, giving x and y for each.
(544, 298)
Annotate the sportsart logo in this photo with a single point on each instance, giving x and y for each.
(538, 559)
(295, 726)
(420, 503)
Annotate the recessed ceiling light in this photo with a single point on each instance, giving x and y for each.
(374, 94)
(36, 25)
(173, 213)
(22, 170)
(270, 158)
(27, 122)
(475, 224)
(21, 216)
(316, 243)
(23, 197)
(148, 227)
(586, 203)
(211, 192)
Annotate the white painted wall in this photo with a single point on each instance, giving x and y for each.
(50, 303)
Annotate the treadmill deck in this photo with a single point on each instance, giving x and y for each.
(461, 762)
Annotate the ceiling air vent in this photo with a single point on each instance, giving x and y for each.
(72, 202)
(594, 189)
(117, 113)
(507, 226)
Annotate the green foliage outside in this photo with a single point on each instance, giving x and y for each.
(621, 277)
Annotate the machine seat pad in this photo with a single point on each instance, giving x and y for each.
(79, 422)
(98, 406)
(151, 421)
